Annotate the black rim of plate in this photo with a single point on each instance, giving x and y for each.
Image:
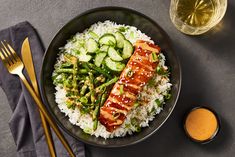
(42, 89)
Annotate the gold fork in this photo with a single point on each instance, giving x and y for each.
(15, 66)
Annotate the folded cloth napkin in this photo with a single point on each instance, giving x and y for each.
(25, 123)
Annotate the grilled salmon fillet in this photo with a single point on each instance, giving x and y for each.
(138, 71)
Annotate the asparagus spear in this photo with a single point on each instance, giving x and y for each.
(75, 70)
(66, 65)
(103, 98)
(67, 82)
(64, 70)
(82, 71)
(95, 113)
(106, 84)
(85, 66)
(84, 87)
(99, 70)
(91, 87)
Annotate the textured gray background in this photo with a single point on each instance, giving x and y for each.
(208, 64)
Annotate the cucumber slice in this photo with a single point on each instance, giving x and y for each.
(91, 45)
(82, 50)
(84, 57)
(127, 49)
(104, 48)
(120, 39)
(99, 58)
(107, 39)
(113, 65)
(114, 55)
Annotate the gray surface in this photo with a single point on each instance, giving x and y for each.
(207, 61)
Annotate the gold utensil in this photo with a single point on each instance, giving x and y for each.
(15, 66)
(29, 66)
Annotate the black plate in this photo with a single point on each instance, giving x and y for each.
(79, 24)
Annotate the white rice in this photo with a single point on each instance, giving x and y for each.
(142, 113)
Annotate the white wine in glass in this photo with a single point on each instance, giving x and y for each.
(195, 17)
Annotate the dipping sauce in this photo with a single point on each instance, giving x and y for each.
(201, 124)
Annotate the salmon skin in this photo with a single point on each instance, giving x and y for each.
(138, 71)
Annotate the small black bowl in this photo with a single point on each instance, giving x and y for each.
(214, 134)
(79, 24)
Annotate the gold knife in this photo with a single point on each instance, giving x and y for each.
(29, 66)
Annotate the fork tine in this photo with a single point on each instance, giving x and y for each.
(16, 57)
(4, 59)
(2, 56)
(7, 54)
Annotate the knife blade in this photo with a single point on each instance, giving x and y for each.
(28, 62)
(29, 66)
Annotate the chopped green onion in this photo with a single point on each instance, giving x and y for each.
(158, 102)
(168, 96)
(151, 82)
(162, 71)
(83, 100)
(138, 129)
(121, 89)
(123, 29)
(129, 73)
(136, 104)
(132, 35)
(70, 105)
(87, 130)
(134, 121)
(154, 57)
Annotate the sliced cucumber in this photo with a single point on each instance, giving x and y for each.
(127, 49)
(82, 50)
(114, 55)
(107, 39)
(113, 65)
(104, 48)
(91, 45)
(120, 39)
(84, 57)
(99, 58)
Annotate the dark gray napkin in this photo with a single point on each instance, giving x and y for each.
(25, 123)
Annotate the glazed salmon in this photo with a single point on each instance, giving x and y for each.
(138, 71)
